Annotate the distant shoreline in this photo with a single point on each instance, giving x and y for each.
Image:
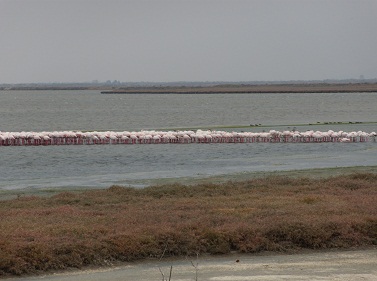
(205, 89)
(246, 89)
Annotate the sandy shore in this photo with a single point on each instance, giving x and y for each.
(310, 265)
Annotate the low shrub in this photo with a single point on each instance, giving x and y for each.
(99, 227)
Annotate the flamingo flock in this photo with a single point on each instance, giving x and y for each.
(183, 137)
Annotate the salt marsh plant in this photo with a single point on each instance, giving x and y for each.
(119, 224)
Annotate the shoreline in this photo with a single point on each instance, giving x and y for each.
(204, 88)
(249, 89)
(314, 173)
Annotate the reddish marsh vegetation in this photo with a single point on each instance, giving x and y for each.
(125, 224)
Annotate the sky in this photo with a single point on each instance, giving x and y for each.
(186, 40)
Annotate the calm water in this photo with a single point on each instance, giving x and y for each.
(102, 166)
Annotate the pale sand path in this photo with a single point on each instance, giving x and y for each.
(330, 265)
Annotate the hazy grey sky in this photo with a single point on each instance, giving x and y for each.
(186, 40)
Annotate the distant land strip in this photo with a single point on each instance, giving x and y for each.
(243, 126)
(203, 87)
(244, 89)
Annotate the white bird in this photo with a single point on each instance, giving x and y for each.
(200, 136)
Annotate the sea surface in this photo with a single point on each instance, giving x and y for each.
(104, 165)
